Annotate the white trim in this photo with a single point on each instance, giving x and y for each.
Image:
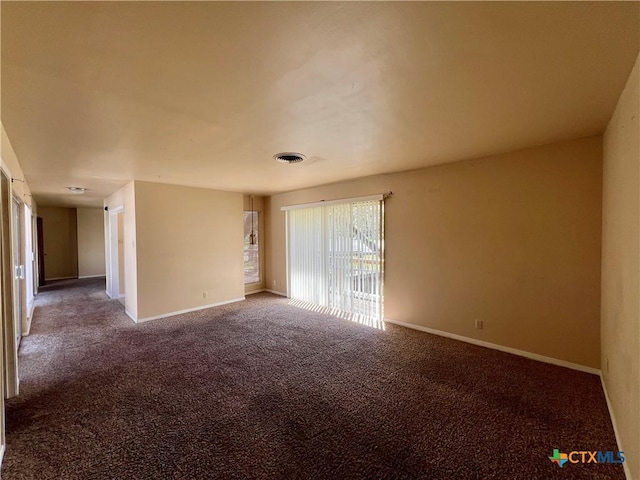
(130, 315)
(112, 254)
(2, 450)
(30, 310)
(276, 293)
(322, 203)
(625, 465)
(502, 348)
(180, 312)
(93, 276)
(266, 290)
(59, 278)
(108, 294)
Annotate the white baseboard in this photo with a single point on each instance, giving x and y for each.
(502, 348)
(625, 465)
(93, 276)
(108, 294)
(266, 290)
(2, 449)
(179, 312)
(130, 315)
(30, 310)
(59, 278)
(275, 292)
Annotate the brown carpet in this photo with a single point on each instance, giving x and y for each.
(261, 389)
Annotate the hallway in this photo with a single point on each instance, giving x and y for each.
(61, 370)
(69, 316)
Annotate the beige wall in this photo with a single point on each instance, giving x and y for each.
(258, 206)
(189, 243)
(125, 198)
(90, 242)
(621, 269)
(513, 240)
(20, 189)
(12, 167)
(59, 228)
(9, 360)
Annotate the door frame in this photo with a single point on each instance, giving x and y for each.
(40, 254)
(10, 351)
(113, 285)
(17, 257)
(28, 258)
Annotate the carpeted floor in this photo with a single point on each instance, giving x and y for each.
(262, 389)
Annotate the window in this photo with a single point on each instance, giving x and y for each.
(251, 249)
(335, 256)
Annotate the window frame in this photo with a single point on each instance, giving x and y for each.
(257, 249)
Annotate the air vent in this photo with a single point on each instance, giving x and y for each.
(289, 157)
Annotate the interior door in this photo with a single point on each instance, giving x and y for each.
(10, 349)
(18, 270)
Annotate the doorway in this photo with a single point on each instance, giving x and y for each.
(116, 287)
(29, 267)
(335, 256)
(9, 336)
(18, 269)
(40, 236)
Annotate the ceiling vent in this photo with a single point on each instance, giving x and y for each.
(289, 157)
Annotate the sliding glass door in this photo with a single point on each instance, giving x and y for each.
(335, 255)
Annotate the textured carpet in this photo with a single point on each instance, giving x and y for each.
(262, 389)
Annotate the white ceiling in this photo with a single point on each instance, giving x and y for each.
(96, 94)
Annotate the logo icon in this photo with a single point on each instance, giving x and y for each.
(559, 458)
(586, 457)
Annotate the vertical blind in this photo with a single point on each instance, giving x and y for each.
(335, 256)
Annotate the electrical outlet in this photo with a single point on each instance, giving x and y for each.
(275, 283)
(479, 324)
(204, 295)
